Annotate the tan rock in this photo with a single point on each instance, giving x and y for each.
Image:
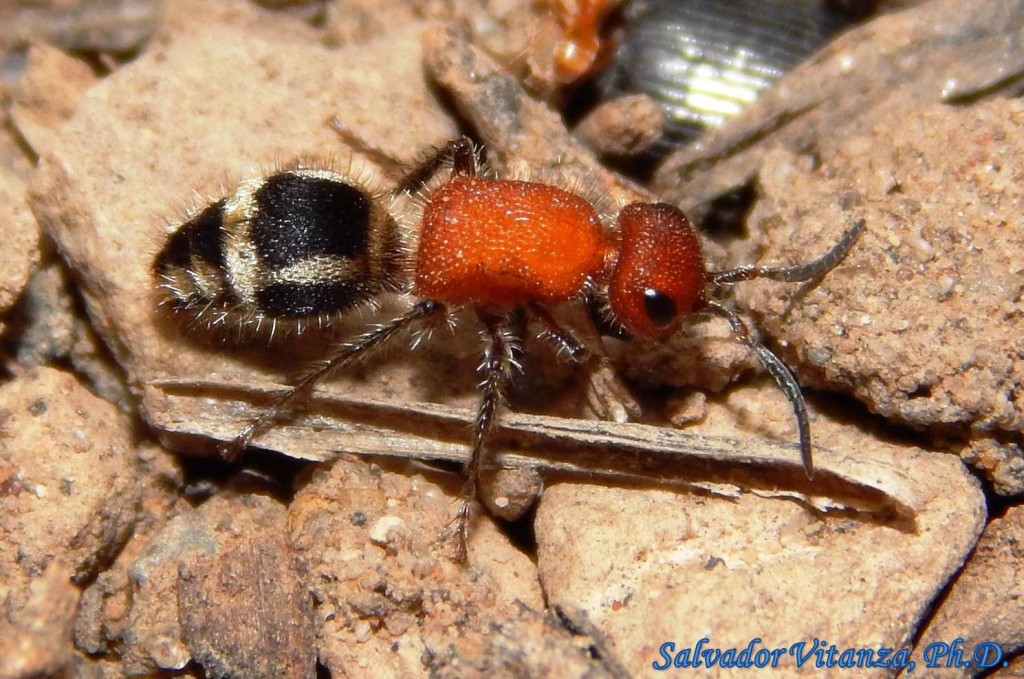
(983, 607)
(377, 546)
(69, 478)
(48, 94)
(923, 320)
(68, 497)
(651, 567)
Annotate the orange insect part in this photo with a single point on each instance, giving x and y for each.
(576, 55)
(505, 243)
(660, 274)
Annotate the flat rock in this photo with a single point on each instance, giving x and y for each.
(651, 567)
(923, 321)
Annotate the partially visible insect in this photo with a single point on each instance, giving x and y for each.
(582, 49)
(703, 61)
(302, 245)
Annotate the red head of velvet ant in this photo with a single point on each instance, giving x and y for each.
(303, 245)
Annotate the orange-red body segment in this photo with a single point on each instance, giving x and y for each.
(504, 243)
(660, 252)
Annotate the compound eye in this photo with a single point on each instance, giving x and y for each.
(661, 309)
